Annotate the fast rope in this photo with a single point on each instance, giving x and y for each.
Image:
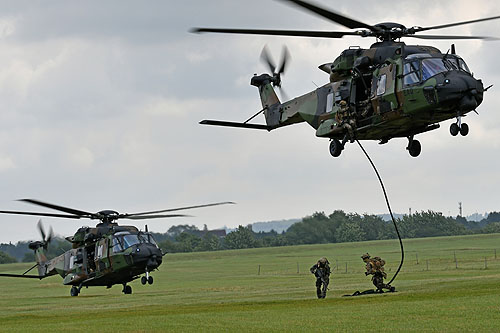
(390, 211)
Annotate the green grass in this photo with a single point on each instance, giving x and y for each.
(214, 291)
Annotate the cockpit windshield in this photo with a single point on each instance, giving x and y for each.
(433, 66)
(418, 69)
(124, 241)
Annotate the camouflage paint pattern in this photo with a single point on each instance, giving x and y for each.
(398, 110)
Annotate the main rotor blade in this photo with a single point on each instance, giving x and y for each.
(60, 208)
(455, 24)
(39, 214)
(451, 37)
(145, 217)
(176, 209)
(295, 33)
(332, 16)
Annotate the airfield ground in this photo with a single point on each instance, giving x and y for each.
(214, 291)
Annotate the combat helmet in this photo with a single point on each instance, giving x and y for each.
(365, 256)
(323, 261)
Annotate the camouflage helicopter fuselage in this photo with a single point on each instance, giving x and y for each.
(102, 256)
(388, 90)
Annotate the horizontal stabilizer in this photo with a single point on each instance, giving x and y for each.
(234, 124)
(23, 276)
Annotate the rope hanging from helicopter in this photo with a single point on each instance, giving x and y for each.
(390, 211)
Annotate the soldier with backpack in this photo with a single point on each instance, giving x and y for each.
(321, 270)
(375, 267)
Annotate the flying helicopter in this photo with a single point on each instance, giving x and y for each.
(105, 255)
(391, 90)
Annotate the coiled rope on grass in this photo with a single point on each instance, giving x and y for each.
(390, 211)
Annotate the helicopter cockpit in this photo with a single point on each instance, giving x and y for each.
(422, 66)
(124, 240)
(458, 63)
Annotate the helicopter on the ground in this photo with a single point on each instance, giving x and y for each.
(388, 91)
(105, 255)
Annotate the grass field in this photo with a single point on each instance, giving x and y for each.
(214, 291)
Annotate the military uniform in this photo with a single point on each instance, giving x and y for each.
(321, 270)
(346, 119)
(375, 267)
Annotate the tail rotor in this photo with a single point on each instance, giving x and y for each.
(45, 239)
(276, 74)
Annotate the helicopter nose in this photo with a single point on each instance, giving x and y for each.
(149, 255)
(460, 91)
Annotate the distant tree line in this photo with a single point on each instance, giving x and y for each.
(318, 228)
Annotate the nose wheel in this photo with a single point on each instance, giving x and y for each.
(414, 147)
(147, 279)
(459, 127)
(74, 291)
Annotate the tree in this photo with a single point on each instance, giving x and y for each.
(314, 229)
(187, 242)
(491, 228)
(6, 259)
(349, 232)
(241, 238)
(493, 217)
(209, 242)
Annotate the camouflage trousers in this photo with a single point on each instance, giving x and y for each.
(321, 287)
(378, 281)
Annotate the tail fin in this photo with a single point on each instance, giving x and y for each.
(269, 99)
(40, 256)
(268, 96)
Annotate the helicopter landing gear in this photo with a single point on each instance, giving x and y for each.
(127, 290)
(74, 291)
(414, 147)
(336, 147)
(464, 129)
(459, 127)
(147, 279)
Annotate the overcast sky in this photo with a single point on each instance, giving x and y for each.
(100, 103)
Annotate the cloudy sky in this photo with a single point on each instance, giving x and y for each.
(100, 103)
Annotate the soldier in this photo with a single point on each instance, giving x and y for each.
(346, 119)
(375, 267)
(321, 270)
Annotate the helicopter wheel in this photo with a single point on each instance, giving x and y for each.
(144, 280)
(150, 280)
(335, 148)
(74, 291)
(464, 129)
(127, 290)
(414, 148)
(454, 129)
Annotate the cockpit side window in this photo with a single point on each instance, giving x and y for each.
(463, 65)
(382, 80)
(411, 73)
(117, 246)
